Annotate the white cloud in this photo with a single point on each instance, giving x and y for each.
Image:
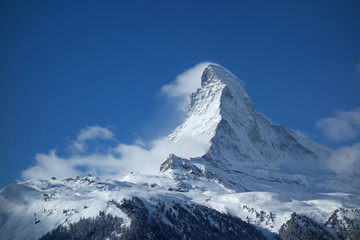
(185, 84)
(344, 126)
(115, 162)
(97, 151)
(346, 160)
(94, 132)
(49, 165)
(90, 133)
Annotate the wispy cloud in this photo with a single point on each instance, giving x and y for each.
(345, 125)
(49, 165)
(96, 149)
(346, 160)
(94, 132)
(91, 133)
(115, 162)
(185, 84)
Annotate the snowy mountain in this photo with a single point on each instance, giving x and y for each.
(222, 113)
(246, 151)
(248, 185)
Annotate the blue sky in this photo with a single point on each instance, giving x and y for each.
(66, 66)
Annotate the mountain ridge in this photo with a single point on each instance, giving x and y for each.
(253, 170)
(222, 111)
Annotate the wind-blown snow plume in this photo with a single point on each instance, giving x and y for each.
(344, 126)
(185, 84)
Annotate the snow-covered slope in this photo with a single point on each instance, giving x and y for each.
(29, 210)
(76, 207)
(254, 170)
(222, 113)
(246, 151)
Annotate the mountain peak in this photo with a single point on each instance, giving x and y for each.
(234, 89)
(220, 91)
(215, 73)
(222, 115)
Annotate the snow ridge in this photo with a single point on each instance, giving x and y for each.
(222, 114)
(253, 169)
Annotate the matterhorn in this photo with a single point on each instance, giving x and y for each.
(256, 180)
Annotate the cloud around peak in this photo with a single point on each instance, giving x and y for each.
(184, 84)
